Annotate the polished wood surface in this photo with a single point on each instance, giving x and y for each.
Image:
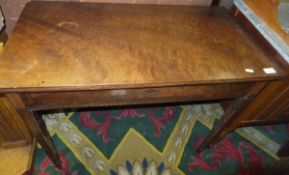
(139, 96)
(13, 131)
(12, 8)
(17, 161)
(267, 10)
(84, 46)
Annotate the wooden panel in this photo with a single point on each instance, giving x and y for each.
(172, 45)
(283, 111)
(36, 127)
(17, 161)
(281, 106)
(267, 105)
(54, 100)
(271, 105)
(13, 131)
(167, 2)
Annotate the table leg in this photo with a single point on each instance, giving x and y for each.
(220, 130)
(46, 142)
(37, 128)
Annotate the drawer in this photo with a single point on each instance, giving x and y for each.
(53, 100)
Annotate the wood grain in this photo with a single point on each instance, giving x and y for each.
(17, 161)
(13, 131)
(13, 8)
(36, 126)
(268, 12)
(104, 46)
(54, 100)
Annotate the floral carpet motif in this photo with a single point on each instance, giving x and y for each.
(155, 141)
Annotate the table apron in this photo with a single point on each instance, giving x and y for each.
(75, 99)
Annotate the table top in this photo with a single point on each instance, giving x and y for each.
(79, 46)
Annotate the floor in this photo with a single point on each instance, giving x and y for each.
(15, 160)
(155, 140)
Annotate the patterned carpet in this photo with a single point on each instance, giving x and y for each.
(155, 141)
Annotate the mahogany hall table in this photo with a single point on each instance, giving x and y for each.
(69, 54)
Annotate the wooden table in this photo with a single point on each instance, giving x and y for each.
(68, 54)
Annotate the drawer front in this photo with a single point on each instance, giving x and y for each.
(53, 100)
